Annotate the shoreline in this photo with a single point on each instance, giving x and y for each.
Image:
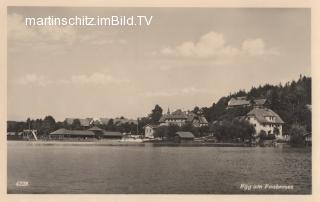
(120, 143)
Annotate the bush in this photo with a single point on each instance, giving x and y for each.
(297, 133)
(166, 131)
(230, 130)
(264, 136)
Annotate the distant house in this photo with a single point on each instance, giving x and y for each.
(94, 132)
(97, 131)
(100, 133)
(149, 130)
(266, 120)
(244, 102)
(238, 102)
(112, 135)
(64, 133)
(182, 136)
(260, 102)
(180, 118)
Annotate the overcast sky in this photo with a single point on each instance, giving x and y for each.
(187, 57)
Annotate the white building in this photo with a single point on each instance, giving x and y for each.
(149, 130)
(267, 120)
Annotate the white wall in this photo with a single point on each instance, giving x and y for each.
(149, 132)
(267, 127)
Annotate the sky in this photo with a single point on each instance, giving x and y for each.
(187, 57)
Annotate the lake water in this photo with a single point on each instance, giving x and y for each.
(147, 169)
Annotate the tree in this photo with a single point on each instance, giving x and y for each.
(76, 124)
(156, 114)
(161, 132)
(262, 135)
(172, 130)
(297, 133)
(48, 125)
(29, 123)
(167, 131)
(143, 122)
(203, 131)
(186, 127)
(233, 130)
(110, 126)
(196, 110)
(276, 131)
(245, 130)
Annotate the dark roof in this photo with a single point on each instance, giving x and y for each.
(112, 133)
(151, 125)
(203, 120)
(182, 134)
(63, 131)
(261, 113)
(193, 116)
(260, 101)
(95, 128)
(238, 102)
(60, 131)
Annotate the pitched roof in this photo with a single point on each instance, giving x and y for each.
(203, 120)
(151, 126)
(183, 134)
(192, 116)
(260, 101)
(112, 134)
(261, 113)
(95, 128)
(60, 131)
(238, 102)
(63, 131)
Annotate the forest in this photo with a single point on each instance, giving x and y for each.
(291, 101)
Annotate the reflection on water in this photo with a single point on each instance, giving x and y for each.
(155, 170)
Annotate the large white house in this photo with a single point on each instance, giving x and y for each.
(267, 120)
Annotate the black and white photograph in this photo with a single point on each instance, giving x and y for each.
(159, 100)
